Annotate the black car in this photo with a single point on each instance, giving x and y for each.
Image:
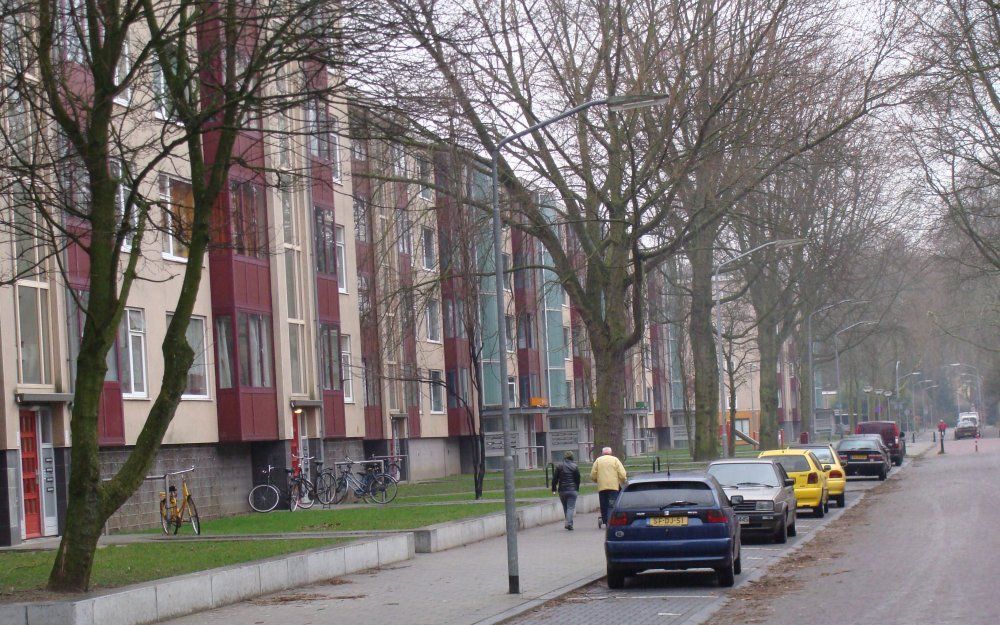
(679, 522)
(864, 456)
(762, 495)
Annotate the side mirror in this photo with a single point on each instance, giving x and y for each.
(736, 500)
(827, 467)
(789, 481)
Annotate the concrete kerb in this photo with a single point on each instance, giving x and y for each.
(442, 536)
(187, 594)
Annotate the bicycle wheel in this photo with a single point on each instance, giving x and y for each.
(165, 516)
(340, 490)
(193, 516)
(263, 498)
(382, 489)
(392, 470)
(326, 486)
(307, 493)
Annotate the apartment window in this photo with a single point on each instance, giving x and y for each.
(132, 353)
(433, 320)
(128, 215)
(567, 341)
(282, 133)
(33, 334)
(296, 356)
(398, 160)
(197, 378)
(452, 389)
(224, 351)
(525, 336)
(320, 132)
(360, 218)
(288, 221)
(333, 136)
(460, 330)
(292, 284)
(508, 276)
(345, 364)
(359, 149)
(177, 199)
(429, 247)
(437, 391)
(569, 393)
(512, 390)
(13, 54)
(510, 331)
(341, 260)
(28, 250)
(75, 30)
(404, 238)
(121, 77)
(326, 243)
(254, 337)
(329, 355)
(161, 95)
(249, 220)
(425, 173)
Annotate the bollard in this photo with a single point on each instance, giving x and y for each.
(942, 444)
(913, 437)
(933, 436)
(977, 444)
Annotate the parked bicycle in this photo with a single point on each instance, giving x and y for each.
(300, 491)
(172, 514)
(393, 465)
(373, 485)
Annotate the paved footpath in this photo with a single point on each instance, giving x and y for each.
(468, 585)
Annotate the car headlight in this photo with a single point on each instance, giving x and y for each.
(765, 506)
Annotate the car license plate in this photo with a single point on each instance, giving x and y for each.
(744, 519)
(859, 457)
(668, 521)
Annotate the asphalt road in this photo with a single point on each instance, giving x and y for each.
(923, 549)
(687, 598)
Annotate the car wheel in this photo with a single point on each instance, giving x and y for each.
(826, 504)
(882, 474)
(791, 528)
(841, 500)
(738, 564)
(727, 576)
(781, 536)
(616, 579)
(819, 512)
(898, 461)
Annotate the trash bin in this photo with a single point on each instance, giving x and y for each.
(804, 438)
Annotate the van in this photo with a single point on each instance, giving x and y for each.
(893, 439)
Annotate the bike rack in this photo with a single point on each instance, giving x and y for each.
(149, 478)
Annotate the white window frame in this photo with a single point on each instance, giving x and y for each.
(438, 391)
(346, 371)
(424, 230)
(433, 312)
(131, 335)
(333, 134)
(204, 357)
(426, 192)
(122, 191)
(124, 98)
(340, 247)
(168, 216)
(45, 364)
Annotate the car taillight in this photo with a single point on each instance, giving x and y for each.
(843, 457)
(875, 456)
(715, 516)
(897, 441)
(836, 473)
(618, 520)
(813, 478)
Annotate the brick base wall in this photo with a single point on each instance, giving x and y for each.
(219, 484)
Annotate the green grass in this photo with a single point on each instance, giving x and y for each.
(345, 519)
(121, 565)
(522, 494)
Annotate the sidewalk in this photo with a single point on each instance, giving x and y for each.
(461, 586)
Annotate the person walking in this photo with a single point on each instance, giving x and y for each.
(609, 473)
(566, 482)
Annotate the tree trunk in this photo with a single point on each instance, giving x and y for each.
(806, 381)
(769, 350)
(706, 379)
(731, 425)
(609, 400)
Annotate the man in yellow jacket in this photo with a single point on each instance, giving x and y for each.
(609, 473)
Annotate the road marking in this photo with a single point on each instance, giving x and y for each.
(760, 549)
(659, 597)
(667, 614)
(755, 558)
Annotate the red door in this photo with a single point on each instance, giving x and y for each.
(29, 475)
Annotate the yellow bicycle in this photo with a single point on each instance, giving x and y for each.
(172, 514)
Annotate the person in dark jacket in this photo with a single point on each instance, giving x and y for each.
(566, 482)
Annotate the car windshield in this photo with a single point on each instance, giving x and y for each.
(823, 453)
(744, 474)
(966, 423)
(666, 494)
(857, 444)
(793, 463)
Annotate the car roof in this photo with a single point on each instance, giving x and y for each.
(674, 476)
(785, 452)
(810, 446)
(742, 461)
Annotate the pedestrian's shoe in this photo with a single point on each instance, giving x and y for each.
(569, 527)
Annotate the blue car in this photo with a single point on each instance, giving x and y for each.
(679, 522)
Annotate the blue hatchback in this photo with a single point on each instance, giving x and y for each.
(680, 522)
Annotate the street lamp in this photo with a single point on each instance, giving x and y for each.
(979, 384)
(614, 103)
(836, 354)
(778, 244)
(911, 391)
(923, 397)
(809, 348)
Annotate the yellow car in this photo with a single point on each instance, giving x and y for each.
(836, 476)
(810, 480)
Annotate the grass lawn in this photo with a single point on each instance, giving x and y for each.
(345, 519)
(25, 572)
(488, 495)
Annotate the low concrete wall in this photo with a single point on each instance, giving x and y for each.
(443, 536)
(187, 594)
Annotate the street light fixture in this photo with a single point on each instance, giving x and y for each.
(979, 384)
(809, 349)
(836, 355)
(777, 244)
(614, 103)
